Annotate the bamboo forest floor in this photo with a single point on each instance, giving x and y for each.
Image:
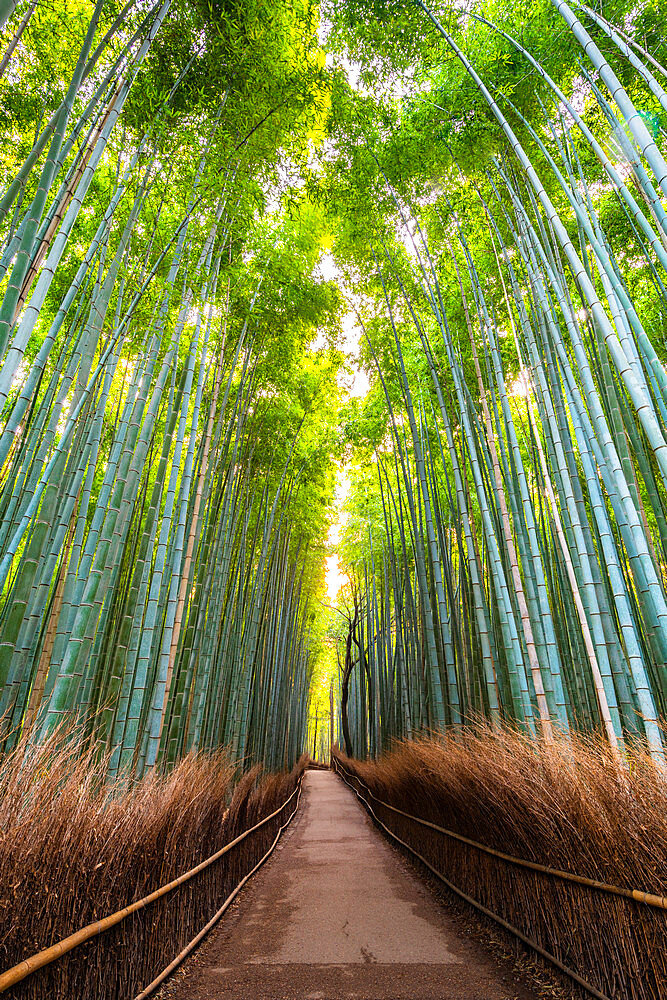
(337, 913)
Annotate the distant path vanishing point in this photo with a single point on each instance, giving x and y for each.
(336, 915)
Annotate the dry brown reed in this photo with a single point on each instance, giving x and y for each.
(74, 849)
(568, 807)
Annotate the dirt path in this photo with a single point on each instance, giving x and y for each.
(335, 914)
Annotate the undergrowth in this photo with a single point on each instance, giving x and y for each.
(566, 806)
(74, 849)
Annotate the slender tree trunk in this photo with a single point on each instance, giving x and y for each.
(581, 612)
(543, 708)
(347, 673)
(51, 629)
(192, 536)
(16, 38)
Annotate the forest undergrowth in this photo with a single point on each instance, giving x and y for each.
(567, 806)
(74, 848)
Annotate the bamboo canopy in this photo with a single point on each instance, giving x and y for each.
(170, 421)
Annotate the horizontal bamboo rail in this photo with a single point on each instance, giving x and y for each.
(51, 954)
(459, 892)
(648, 898)
(189, 948)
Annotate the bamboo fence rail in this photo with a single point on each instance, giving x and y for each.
(574, 976)
(54, 952)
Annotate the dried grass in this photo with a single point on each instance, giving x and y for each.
(567, 807)
(73, 849)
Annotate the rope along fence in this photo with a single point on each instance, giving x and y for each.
(170, 914)
(608, 939)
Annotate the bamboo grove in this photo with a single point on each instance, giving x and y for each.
(507, 533)
(172, 406)
(162, 498)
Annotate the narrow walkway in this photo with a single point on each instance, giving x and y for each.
(336, 915)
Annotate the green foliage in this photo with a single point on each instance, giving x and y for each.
(171, 370)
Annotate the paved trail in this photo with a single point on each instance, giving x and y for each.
(336, 915)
